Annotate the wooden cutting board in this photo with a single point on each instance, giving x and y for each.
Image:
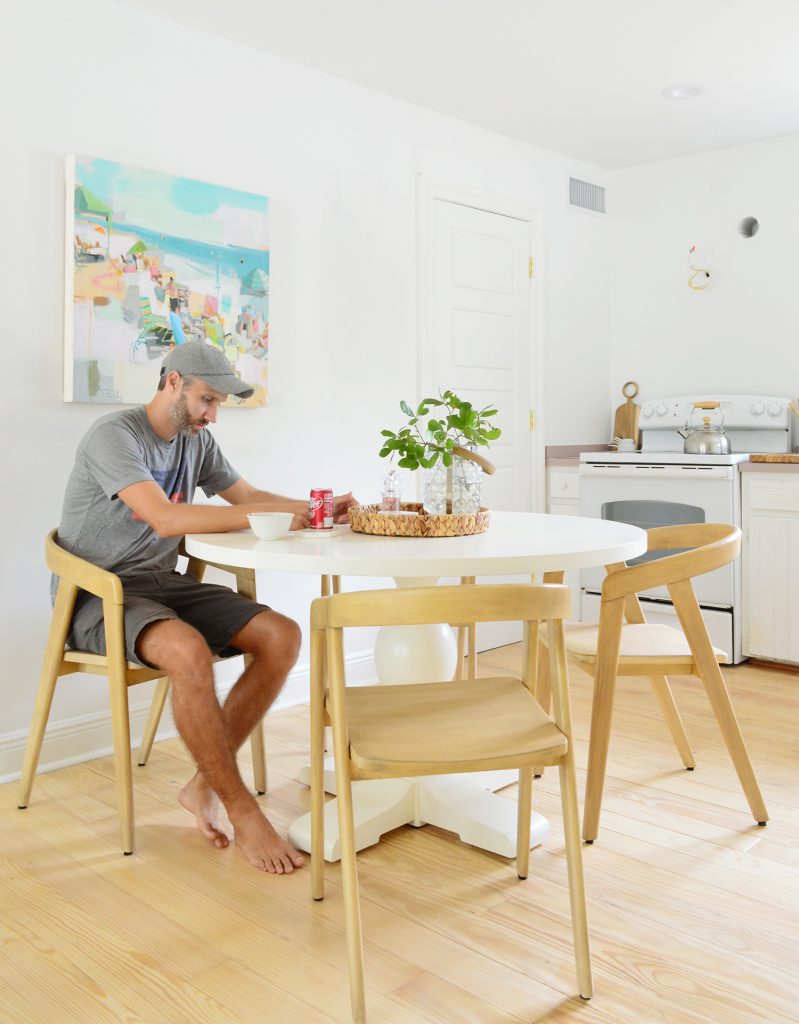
(626, 422)
(769, 457)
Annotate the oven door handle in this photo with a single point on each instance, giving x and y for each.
(620, 470)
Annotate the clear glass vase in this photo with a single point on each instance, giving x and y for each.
(464, 485)
(434, 490)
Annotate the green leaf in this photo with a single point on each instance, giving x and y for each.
(446, 458)
(406, 408)
(388, 433)
(489, 412)
(422, 410)
(492, 435)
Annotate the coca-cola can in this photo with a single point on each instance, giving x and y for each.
(320, 508)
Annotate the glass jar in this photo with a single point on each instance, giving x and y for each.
(467, 478)
(391, 492)
(434, 490)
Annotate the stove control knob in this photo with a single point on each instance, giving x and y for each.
(661, 410)
(774, 409)
(758, 408)
(647, 410)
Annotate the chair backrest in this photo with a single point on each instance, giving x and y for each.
(496, 602)
(81, 573)
(711, 546)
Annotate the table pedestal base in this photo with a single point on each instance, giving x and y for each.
(464, 804)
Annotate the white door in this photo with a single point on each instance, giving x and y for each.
(480, 340)
(480, 327)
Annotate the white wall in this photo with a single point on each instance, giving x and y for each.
(740, 334)
(339, 164)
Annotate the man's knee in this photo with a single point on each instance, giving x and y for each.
(176, 648)
(271, 636)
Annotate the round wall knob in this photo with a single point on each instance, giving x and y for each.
(661, 409)
(647, 410)
(774, 409)
(758, 408)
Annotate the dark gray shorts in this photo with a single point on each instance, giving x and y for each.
(215, 611)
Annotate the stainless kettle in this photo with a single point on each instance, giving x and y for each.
(709, 439)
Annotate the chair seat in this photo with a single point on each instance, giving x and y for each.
(435, 728)
(639, 641)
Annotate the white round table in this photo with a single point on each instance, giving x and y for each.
(515, 543)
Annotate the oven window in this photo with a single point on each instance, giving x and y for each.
(649, 514)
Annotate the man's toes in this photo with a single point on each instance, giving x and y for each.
(296, 858)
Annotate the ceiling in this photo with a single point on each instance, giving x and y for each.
(579, 77)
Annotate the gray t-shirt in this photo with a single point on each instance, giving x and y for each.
(121, 449)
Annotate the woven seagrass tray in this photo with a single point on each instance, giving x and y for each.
(369, 519)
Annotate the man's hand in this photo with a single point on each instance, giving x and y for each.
(341, 503)
(301, 521)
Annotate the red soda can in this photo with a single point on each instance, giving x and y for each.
(320, 508)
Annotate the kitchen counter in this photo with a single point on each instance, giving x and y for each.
(788, 463)
(569, 454)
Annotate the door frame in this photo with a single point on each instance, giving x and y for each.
(428, 190)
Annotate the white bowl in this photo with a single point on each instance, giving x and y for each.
(270, 525)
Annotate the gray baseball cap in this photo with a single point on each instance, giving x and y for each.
(198, 359)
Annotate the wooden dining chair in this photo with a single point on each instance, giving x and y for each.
(387, 731)
(75, 574)
(634, 647)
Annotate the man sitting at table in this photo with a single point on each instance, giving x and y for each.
(126, 507)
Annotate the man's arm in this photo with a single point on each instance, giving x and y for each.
(151, 504)
(243, 492)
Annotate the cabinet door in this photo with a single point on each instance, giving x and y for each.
(771, 566)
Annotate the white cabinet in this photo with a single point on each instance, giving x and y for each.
(563, 499)
(770, 565)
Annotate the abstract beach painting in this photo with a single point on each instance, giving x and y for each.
(153, 261)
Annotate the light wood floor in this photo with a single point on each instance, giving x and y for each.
(694, 910)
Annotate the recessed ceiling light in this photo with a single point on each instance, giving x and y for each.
(682, 92)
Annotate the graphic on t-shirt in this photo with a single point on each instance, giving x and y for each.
(172, 482)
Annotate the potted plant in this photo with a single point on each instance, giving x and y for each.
(442, 436)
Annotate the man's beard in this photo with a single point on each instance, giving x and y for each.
(182, 418)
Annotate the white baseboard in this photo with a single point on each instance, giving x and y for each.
(75, 740)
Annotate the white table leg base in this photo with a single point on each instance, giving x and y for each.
(463, 804)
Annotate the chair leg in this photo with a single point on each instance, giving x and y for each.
(153, 719)
(120, 724)
(54, 652)
(543, 682)
(660, 685)
(460, 664)
(349, 868)
(571, 815)
(696, 633)
(471, 630)
(523, 822)
(317, 765)
(258, 758)
(601, 715)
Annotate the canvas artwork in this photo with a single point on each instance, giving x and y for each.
(154, 261)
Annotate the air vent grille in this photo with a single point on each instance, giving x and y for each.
(586, 196)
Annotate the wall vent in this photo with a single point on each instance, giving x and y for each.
(586, 196)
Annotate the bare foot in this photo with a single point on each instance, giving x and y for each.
(263, 847)
(199, 799)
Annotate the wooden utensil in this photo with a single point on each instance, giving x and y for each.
(787, 457)
(626, 422)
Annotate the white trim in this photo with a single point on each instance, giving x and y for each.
(430, 189)
(84, 738)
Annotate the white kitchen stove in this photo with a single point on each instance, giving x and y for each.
(661, 486)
